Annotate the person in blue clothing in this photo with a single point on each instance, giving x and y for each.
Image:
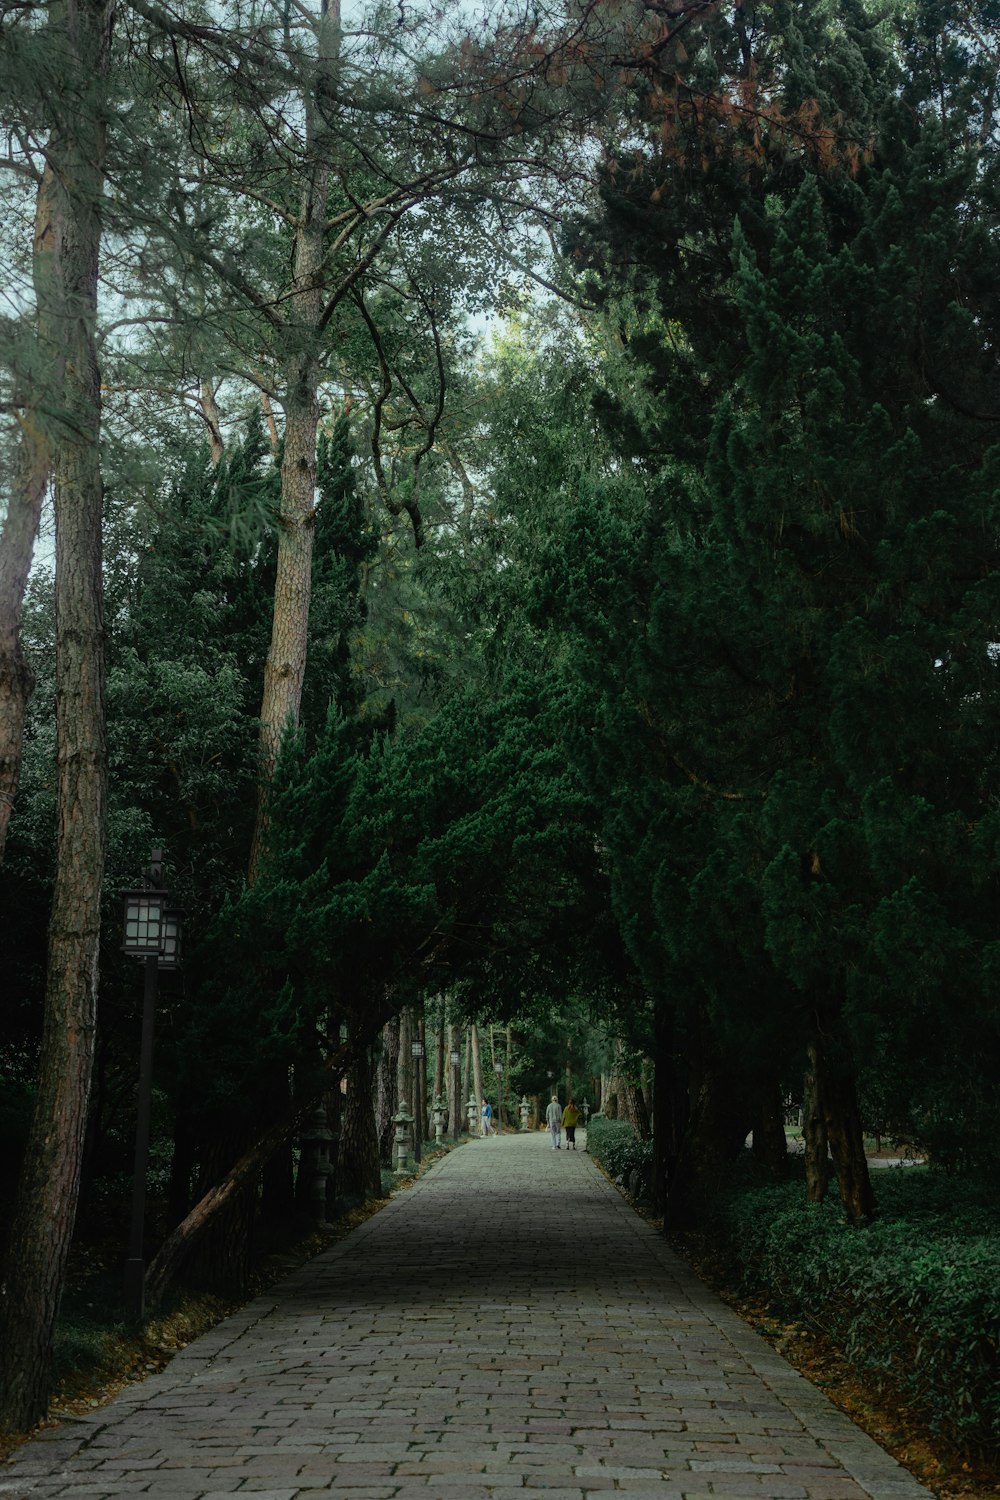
(486, 1114)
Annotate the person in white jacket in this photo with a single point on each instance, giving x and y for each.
(553, 1119)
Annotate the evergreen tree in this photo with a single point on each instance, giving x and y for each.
(798, 630)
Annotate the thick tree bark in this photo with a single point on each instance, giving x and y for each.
(719, 1117)
(17, 544)
(421, 1067)
(213, 422)
(404, 1061)
(468, 1083)
(770, 1149)
(334, 1100)
(477, 1065)
(47, 1198)
(221, 1259)
(284, 669)
(842, 1119)
(632, 1103)
(386, 1094)
(439, 1060)
(359, 1165)
(814, 1135)
(456, 1106)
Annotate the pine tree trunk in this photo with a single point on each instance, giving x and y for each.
(333, 1099)
(47, 1198)
(439, 1062)
(386, 1093)
(221, 1260)
(635, 1111)
(842, 1119)
(719, 1119)
(17, 544)
(477, 1065)
(455, 1115)
(632, 1103)
(770, 1148)
(420, 1065)
(358, 1161)
(284, 669)
(404, 1061)
(814, 1134)
(468, 1082)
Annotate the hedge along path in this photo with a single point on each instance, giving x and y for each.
(507, 1328)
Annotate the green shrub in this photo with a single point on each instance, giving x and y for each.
(912, 1300)
(617, 1147)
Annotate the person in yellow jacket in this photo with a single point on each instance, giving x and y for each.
(570, 1118)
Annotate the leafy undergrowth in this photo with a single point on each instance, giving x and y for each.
(97, 1355)
(882, 1414)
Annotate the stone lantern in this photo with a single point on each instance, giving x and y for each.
(440, 1116)
(473, 1109)
(402, 1148)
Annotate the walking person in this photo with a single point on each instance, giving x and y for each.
(553, 1119)
(486, 1115)
(570, 1117)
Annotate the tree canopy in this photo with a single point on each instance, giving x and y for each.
(532, 490)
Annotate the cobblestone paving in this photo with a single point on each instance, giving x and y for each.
(507, 1328)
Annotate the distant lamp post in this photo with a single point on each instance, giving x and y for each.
(152, 932)
(586, 1116)
(455, 1057)
(498, 1070)
(417, 1052)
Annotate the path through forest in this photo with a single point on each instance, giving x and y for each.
(506, 1328)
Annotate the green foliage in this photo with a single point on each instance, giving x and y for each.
(780, 604)
(913, 1300)
(457, 855)
(617, 1147)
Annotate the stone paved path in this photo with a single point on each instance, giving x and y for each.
(506, 1329)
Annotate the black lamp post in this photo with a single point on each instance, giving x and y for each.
(498, 1070)
(455, 1059)
(152, 933)
(416, 1053)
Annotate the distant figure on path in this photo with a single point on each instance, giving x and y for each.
(487, 1117)
(553, 1119)
(569, 1118)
